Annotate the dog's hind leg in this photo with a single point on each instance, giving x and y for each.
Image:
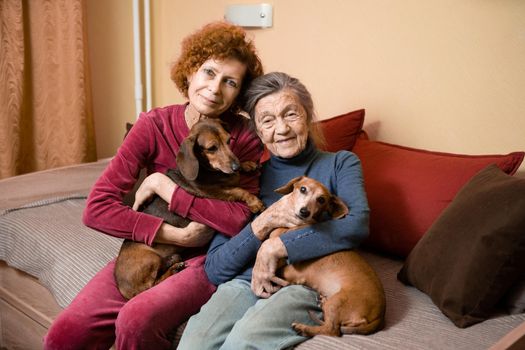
(172, 265)
(309, 331)
(363, 328)
(331, 323)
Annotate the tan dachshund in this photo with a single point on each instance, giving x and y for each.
(206, 167)
(351, 294)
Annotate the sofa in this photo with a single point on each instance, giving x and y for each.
(447, 239)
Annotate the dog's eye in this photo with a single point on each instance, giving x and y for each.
(321, 200)
(302, 189)
(212, 149)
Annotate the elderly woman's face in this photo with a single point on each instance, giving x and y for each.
(215, 86)
(281, 123)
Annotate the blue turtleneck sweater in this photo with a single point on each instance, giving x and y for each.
(340, 172)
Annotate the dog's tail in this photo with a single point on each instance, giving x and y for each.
(364, 328)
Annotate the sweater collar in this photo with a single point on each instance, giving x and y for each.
(307, 153)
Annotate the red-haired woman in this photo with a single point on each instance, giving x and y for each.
(216, 64)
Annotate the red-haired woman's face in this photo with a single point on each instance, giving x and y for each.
(214, 86)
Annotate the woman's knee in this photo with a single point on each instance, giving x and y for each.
(269, 321)
(135, 319)
(62, 333)
(71, 331)
(209, 328)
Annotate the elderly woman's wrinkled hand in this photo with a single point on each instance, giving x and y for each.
(275, 216)
(264, 280)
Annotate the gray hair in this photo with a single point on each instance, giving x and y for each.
(274, 82)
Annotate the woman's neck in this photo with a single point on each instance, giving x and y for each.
(191, 116)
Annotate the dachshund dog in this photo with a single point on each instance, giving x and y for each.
(351, 294)
(206, 167)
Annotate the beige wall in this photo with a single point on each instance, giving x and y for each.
(110, 41)
(445, 75)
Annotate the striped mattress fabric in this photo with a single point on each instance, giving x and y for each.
(48, 240)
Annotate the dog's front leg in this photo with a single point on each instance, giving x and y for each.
(249, 166)
(239, 194)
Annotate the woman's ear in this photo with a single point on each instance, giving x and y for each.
(187, 162)
(289, 186)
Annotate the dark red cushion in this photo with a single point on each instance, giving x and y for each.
(341, 132)
(408, 188)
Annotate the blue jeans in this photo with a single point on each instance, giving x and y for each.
(234, 318)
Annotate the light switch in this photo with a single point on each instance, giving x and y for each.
(252, 15)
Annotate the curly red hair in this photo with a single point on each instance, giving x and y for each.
(218, 40)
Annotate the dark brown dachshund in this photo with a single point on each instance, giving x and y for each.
(206, 167)
(352, 296)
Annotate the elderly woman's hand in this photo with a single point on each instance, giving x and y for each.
(264, 280)
(277, 215)
(154, 184)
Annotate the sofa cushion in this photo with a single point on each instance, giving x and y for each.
(341, 132)
(475, 251)
(408, 188)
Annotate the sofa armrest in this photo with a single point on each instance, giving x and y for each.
(514, 340)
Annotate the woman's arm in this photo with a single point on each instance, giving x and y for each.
(104, 208)
(319, 239)
(228, 257)
(105, 211)
(333, 235)
(193, 235)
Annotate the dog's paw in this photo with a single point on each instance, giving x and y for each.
(321, 300)
(177, 267)
(255, 205)
(300, 329)
(249, 166)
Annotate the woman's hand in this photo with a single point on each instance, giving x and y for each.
(279, 214)
(193, 235)
(264, 280)
(154, 184)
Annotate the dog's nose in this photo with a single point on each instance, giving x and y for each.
(304, 212)
(235, 166)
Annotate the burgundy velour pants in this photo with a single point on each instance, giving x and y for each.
(99, 316)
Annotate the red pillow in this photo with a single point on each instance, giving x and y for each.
(408, 188)
(340, 132)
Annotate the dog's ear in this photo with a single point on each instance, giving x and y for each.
(225, 126)
(338, 208)
(187, 162)
(289, 186)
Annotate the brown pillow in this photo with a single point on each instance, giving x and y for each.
(475, 251)
(514, 301)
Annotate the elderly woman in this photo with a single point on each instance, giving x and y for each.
(216, 64)
(250, 309)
